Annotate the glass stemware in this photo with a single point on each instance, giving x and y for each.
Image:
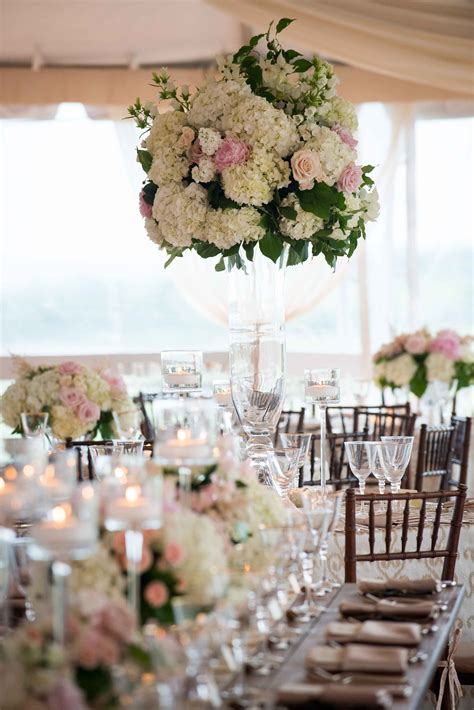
(394, 453)
(34, 424)
(128, 425)
(359, 460)
(283, 468)
(322, 388)
(103, 456)
(300, 441)
(375, 464)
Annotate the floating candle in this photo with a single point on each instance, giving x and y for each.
(133, 510)
(322, 393)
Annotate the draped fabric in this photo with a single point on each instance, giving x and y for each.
(430, 43)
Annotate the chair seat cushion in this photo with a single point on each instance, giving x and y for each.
(464, 658)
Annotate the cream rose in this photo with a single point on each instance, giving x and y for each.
(186, 137)
(306, 168)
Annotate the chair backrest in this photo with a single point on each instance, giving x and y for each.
(461, 446)
(352, 419)
(339, 473)
(84, 456)
(434, 454)
(385, 422)
(290, 422)
(429, 521)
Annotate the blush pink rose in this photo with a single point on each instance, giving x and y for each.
(230, 152)
(173, 553)
(96, 649)
(186, 138)
(88, 411)
(145, 208)
(448, 343)
(306, 168)
(72, 396)
(114, 380)
(117, 619)
(416, 344)
(195, 152)
(65, 696)
(345, 135)
(156, 594)
(350, 178)
(70, 368)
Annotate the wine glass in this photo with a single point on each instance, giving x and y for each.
(283, 468)
(300, 441)
(128, 425)
(359, 461)
(34, 424)
(322, 388)
(103, 456)
(318, 509)
(375, 464)
(394, 453)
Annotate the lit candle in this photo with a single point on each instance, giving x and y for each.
(182, 378)
(223, 398)
(132, 510)
(184, 447)
(7, 491)
(322, 392)
(63, 534)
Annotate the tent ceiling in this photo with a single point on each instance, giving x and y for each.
(114, 32)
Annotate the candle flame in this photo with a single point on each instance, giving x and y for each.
(10, 473)
(119, 472)
(183, 434)
(58, 514)
(87, 492)
(132, 493)
(28, 471)
(2, 484)
(49, 473)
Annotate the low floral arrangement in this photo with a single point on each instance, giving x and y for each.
(78, 399)
(262, 154)
(415, 360)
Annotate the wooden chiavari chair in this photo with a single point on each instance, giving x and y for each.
(339, 472)
(290, 422)
(352, 419)
(84, 457)
(461, 446)
(386, 423)
(424, 525)
(434, 454)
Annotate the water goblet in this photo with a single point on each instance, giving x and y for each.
(302, 442)
(103, 456)
(394, 453)
(322, 388)
(318, 510)
(359, 461)
(34, 424)
(128, 425)
(283, 468)
(375, 464)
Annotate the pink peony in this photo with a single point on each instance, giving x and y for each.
(350, 178)
(306, 168)
(173, 553)
(156, 594)
(118, 620)
(88, 411)
(416, 344)
(72, 396)
(186, 137)
(230, 152)
(70, 368)
(145, 208)
(65, 696)
(97, 649)
(195, 152)
(446, 342)
(345, 135)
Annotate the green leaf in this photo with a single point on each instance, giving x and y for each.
(145, 159)
(418, 382)
(177, 252)
(206, 250)
(231, 251)
(271, 246)
(302, 65)
(255, 40)
(140, 656)
(220, 266)
(249, 249)
(368, 168)
(290, 54)
(95, 682)
(283, 24)
(217, 198)
(149, 192)
(331, 260)
(240, 484)
(289, 212)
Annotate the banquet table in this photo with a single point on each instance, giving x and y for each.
(419, 675)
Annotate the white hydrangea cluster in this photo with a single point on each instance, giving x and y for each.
(180, 212)
(170, 161)
(210, 140)
(339, 110)
(305, 224)
(439, 367)
(42, 390)
(228, 227)
(154, 232)
(334, 154)
(13, 403)
(204, 553)
(370, 204)
(66, 424)
(400, 370)
(254, 182)
(214, 99)
(204, 171)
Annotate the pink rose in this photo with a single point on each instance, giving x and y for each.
(350, 178)
(306, 168)
(230, 152)
(145, 208)
(195, 153)
(114, 380)
(88, 411)
(186, 137)
(65, 696)
(72, 396)
(448, 343)
(156, 594)
(345, 135)
(416, 344)
(96, 649)
(118, 620)
(145, 562)
(173, 553)
(70, 368)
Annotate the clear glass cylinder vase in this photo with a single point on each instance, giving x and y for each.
(258, 349)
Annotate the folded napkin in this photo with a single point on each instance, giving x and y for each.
(390, 609)
(359, 658)
(383, 633)
(427, 585)
(332, 695)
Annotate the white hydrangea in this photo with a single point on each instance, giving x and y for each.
(466, 350)
(254, 182)
(170, 162)
(13, 403)
(181, 212)
(153, 230)
(66, 424)
(226, 227)
(204, 559)
(305, 224)
(333, 153)
(439, 367)
(204, 171)
(210, 140)
(339, 110)
(96, 388)
(42, 390)
(100, 573)
(379, 371)
(370, 203)
(215, 99)
(400, 370)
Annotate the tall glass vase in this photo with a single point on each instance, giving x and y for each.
(258, 351)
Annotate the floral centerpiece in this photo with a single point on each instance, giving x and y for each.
(78, 399)
(264, 153)
(415, 360)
